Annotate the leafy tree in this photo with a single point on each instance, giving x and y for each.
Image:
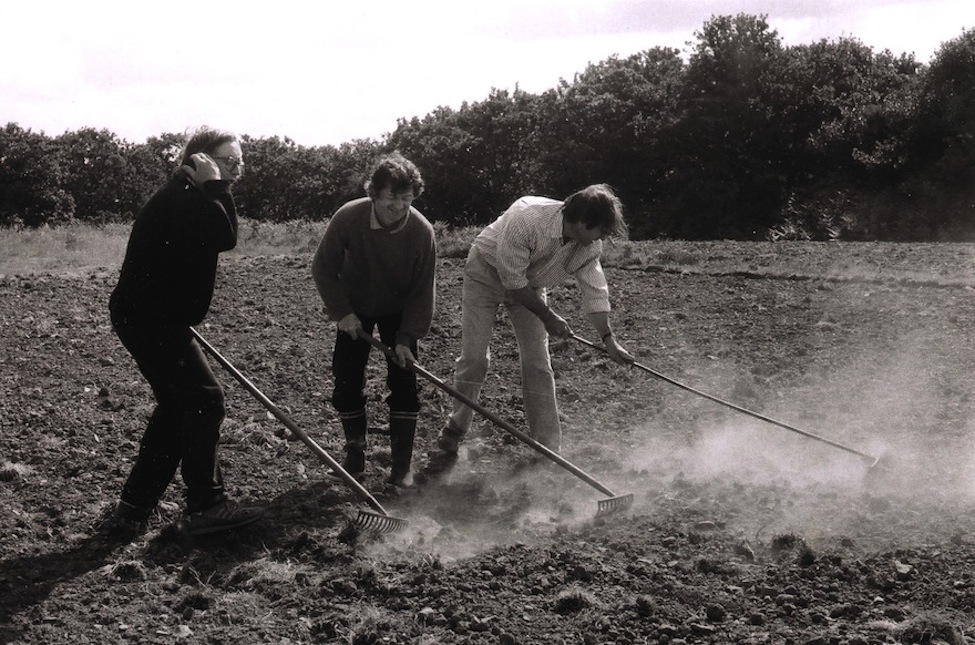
(727, 178)
(30, 180)
(440, 147)
(938, 194)
(840, 106)
(151, 164)
(475, 160)
(348, 166)
(842, 112)
(946, 117)
(265, 188)
(606, 126)
(98, 175)
(501, 154)
(286, 181)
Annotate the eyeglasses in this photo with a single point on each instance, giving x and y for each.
(231, 161)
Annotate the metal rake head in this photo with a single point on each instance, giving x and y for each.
(615, 504)
(373, 522)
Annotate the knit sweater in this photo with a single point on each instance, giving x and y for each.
(363, 268)
(169, 270)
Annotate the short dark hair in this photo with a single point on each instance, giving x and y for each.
(206, 140)
(396, 172)
(596, 205)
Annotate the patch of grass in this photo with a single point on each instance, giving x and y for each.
(263, 575)
(297, 237)
(454, 242)
(82, 247)
(75, 246)
(55, 249)
(367, 624)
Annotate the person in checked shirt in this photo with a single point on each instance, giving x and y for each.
(537, 243)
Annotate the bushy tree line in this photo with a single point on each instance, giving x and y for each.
(745, 139)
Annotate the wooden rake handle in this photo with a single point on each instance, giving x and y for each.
(865, 457)
(487, 414)
(336, 467)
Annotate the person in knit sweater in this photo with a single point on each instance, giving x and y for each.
(165, 285)
(375, 267)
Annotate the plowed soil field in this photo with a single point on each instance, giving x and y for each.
(741, 530)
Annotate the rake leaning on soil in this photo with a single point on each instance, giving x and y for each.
(614, 503)
(869, 460)
(377, 520)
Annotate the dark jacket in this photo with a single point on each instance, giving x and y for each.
(170, 265)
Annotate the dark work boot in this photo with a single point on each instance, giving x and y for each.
(402, 431)
(354, 427)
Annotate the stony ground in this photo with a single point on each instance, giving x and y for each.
(741, 531)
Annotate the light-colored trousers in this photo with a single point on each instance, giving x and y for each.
(483, 294)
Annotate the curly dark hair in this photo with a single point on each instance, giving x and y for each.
(396, 172)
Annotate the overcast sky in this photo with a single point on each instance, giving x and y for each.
(330, 72)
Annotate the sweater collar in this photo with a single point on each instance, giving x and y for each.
(376, 225)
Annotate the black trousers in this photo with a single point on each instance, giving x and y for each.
(184, 429)
(349, 361)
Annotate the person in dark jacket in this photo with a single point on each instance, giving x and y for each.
(375, 267)
(165, 285)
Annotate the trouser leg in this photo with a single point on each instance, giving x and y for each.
(403, 402)
(354, 428)
(184, 429)
(537, 378)
(402, 432)
(482, 295)
(157, 460)
(349, 360)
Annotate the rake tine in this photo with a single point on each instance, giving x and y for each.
(373, 518)
(870, 460)
(373, 522)
(604, 506)
(614, 504)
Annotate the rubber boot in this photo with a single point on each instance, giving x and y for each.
(402, 431)
(354, 427)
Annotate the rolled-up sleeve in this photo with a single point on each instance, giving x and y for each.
(594, 287)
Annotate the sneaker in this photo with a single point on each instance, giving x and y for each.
(223, 516)
(449, 439)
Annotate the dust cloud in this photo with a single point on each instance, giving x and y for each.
(901, 408)
(904, 407)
